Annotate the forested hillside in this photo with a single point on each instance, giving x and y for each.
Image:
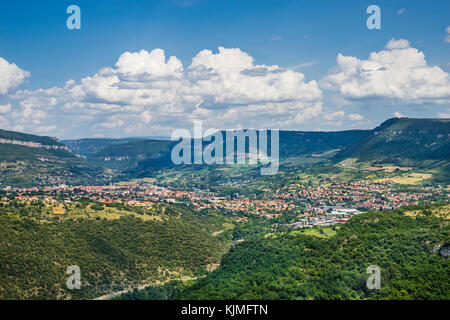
(13, 135)
(411, 247)
(114, 248)
(418, 143)
(30, 160)
(89, 147)
(404, 141)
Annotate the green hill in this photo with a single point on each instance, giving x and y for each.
(140, 149)
(29, 160)
(21, 146)
(419, 143)
(295, 143)
(291, 143)
(142, 157)
(410, 246)
(124, 248)
(12, 135)
(404, 141)
(89, 147)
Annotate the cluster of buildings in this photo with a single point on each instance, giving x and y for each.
(135, 195)
(329, 217)
(318, 204)
(359, 194)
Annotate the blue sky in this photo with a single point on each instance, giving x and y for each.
(302, 36)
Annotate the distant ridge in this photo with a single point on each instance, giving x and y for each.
(18, 136)
(89, 146)
(404, 141)
(29, 159)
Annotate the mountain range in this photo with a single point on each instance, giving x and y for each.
(34, 160)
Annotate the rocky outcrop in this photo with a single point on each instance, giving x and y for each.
(442, 250)
(32, 144)
(445, 251)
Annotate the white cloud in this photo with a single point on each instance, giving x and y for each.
(148, 65)
(4, 123)
(355, 117)
(303, 65)
(144, 90)
(5, 108)
(400, 73)
(398, 115)
(112, 122)
(445, 114)
(45, 129)
(18, 127)
(10, 76)
(397, 44)
(334, 116)
(401, 11)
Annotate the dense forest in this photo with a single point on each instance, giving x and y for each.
(36, 248)
(410, 246)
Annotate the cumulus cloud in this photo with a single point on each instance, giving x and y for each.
(144, 65)
(146, 90)
(45, 129)
(3, 122)
(334, 116)
(113, 122)
(397, 44)
(5, 108)
(398, 114)
(445, 115)
(355, 117)
(397, 73)
(10, 76)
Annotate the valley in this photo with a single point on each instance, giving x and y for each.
(140, 227)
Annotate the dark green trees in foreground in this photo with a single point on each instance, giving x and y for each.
(410, 252)
(411, 247)
(36, 250)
